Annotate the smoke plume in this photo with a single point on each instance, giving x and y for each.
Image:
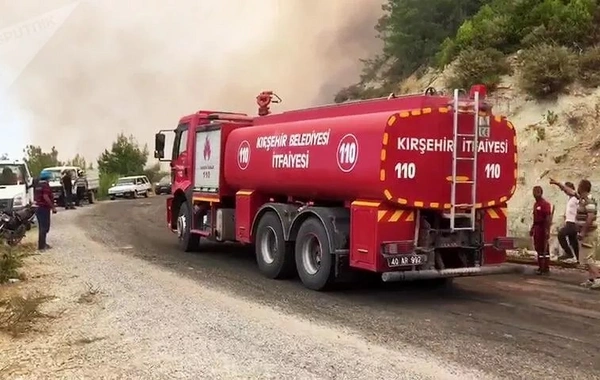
(137, 66)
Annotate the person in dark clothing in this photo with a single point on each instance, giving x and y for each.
(67, 182)
(567, 235)
(45, 206)
(540, 230)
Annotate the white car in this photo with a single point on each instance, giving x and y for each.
(16, 185)
(130, 187)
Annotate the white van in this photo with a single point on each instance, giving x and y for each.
(130, 187)
(16, 185)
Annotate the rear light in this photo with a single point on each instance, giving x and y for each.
(478, 88)
(399, 247)
(504, 243)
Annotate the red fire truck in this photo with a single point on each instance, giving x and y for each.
(411, 187)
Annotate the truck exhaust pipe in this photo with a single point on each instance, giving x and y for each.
(453, 272)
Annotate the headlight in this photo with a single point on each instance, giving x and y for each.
(18, 201)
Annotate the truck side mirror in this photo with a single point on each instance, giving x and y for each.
(159, 145)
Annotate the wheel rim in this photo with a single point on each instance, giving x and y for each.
(268, 245)
(311, 254)
(181, 225)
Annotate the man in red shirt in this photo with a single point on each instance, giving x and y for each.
(45, 205)
(540, 230)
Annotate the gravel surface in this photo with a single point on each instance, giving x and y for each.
(123, 317)
(512, 327)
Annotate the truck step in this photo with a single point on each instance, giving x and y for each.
(457, 215)
(465, 182)
(463, 205)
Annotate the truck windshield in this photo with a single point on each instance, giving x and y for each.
(11, 174)
(54, 175)
(125, 181)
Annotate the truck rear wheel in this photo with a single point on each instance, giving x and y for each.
(188, 242)
(275, 259)
(314, 259)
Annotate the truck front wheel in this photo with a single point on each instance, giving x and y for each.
(273, 256)
(314, 259)
(188, 242)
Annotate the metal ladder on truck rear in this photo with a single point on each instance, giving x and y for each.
(472, 181)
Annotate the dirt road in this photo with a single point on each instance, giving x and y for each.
(162, 313)
(510, 326)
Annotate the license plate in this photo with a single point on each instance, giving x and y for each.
(405, 260)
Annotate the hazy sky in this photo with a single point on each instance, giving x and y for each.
(74, 74)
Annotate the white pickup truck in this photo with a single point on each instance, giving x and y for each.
(93, 182)
(16, 185)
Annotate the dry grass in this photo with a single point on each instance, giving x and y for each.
(18, 313)
(90, 294)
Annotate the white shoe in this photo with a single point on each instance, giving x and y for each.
(595, 284)
(570, 261)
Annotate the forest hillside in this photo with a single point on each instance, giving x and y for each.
(539, 58)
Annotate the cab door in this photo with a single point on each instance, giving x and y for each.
(180, 162)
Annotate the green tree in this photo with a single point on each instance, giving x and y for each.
(79, 161)
(37, 159)
(412, 31)
(154, 172)
(125, 157)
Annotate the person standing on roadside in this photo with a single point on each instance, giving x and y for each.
(67, 182)
(587, 211)
(80, 188)
(540, 230)
(567, 235)
(45, 206)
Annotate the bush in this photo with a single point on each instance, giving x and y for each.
(106, 182)
(10, 262)
(547, 70)
(508, 25)
(479, 67)
(589, 67)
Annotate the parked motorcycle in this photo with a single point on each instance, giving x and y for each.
(14, 225)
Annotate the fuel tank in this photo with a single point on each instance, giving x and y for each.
(399, 156)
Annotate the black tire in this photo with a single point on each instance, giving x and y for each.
(269, 237)
(314, 275)
(91, 197)
(112, 198)
(187, 241)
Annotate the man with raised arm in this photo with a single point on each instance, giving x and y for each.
(587, 211)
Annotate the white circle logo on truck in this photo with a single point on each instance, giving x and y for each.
(347, 153)
(243, 158)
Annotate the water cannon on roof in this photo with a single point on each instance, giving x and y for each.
(264, 100)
